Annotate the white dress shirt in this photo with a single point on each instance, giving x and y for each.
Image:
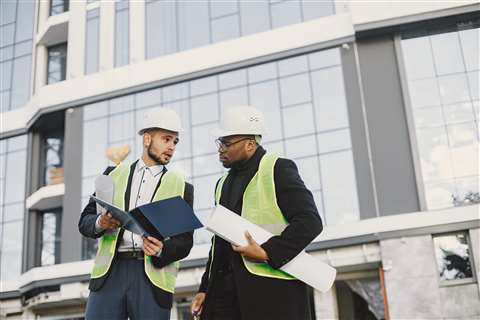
(144, 181)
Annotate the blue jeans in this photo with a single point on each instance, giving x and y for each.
(126, 293)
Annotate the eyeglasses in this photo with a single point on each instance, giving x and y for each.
(225, 144)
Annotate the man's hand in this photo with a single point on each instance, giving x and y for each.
(252, 250)
(107, 222)
(197, 305)
(152, 246)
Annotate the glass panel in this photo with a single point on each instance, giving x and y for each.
(50, 241)
(339, 188)
(233, 97)
(15, 179)
(298, 120)
(254, 16)
(122, 35)
(57, 63)
(285, 13)
(204, 109)
(53, 147)
(315, 9)
(11, 253)
(161, 31)
(453, 256)
(265, 97)
(222, 8)
(309, 171)
(202, 139)
(470, 47)
(333, 141)
(25, 18)
(301, 147)
(193, 24)
(232, 79)
(329, 99)
(21, 81)
(295, 90)
(92, 44)
(417, 54)
(225, 28)
(447, 53)
(453, 88)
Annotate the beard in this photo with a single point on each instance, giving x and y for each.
(156, 158)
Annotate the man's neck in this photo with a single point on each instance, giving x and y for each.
(149, 162)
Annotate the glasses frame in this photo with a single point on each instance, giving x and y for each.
(225, 145)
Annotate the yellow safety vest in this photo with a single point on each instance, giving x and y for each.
(260, 207)
(172, 185)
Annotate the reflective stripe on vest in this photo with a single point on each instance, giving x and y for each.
(172, 185)
(260, 207)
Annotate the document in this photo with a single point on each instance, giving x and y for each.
(160, 219)
(231, 227)
(104, 190)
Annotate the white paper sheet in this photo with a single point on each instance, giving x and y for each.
(104, 190)
(231, 227)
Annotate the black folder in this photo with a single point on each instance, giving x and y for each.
(160, 219)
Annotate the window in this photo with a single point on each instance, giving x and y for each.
(58, 6)
(16, 29)
(92, 41)
(57, 63)
(173, 26)
(442, 74)
(53, 159)
(122, 33)
(452, 252)
(13, 167)
(50, 226)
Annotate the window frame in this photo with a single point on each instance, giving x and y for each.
(63, 70)
(456, 282)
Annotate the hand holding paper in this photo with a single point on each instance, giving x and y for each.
(252, 250)
(231, 227)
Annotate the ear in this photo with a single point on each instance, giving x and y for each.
(147, 139)
(250, 145)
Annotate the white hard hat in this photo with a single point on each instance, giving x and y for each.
(161, 118)
(240, 120)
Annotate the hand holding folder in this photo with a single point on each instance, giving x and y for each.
(160, 219)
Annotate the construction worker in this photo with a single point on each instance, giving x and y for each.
(134, 277)
(244, 282)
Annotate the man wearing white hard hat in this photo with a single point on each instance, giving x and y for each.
(244, 282)
(134, 277)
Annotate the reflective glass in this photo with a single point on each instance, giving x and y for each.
(204, 109)
(92, 44)
(339, 188)
(285, 13)
(193, 24)
(447, 53)
(452, 253)
(160, 28)
(295, 90)
(225, 28)
(122, 35)
(298, 120)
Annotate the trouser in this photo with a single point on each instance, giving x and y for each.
(126, 293)
(224, 300)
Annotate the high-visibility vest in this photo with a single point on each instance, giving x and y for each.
(260, 207)
(172, 185)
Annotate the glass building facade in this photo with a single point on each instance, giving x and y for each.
(173, 26)
(16, 30)
(13, 167)
(443, 84)
(303, 99)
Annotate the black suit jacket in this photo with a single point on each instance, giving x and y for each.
(174, 249)
(259, 297)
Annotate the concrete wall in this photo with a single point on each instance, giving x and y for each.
(412, 283)
(326, 304)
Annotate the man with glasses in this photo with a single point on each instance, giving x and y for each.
(244, 282)
(134, 277)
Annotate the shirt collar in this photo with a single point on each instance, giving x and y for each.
(154, 170)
